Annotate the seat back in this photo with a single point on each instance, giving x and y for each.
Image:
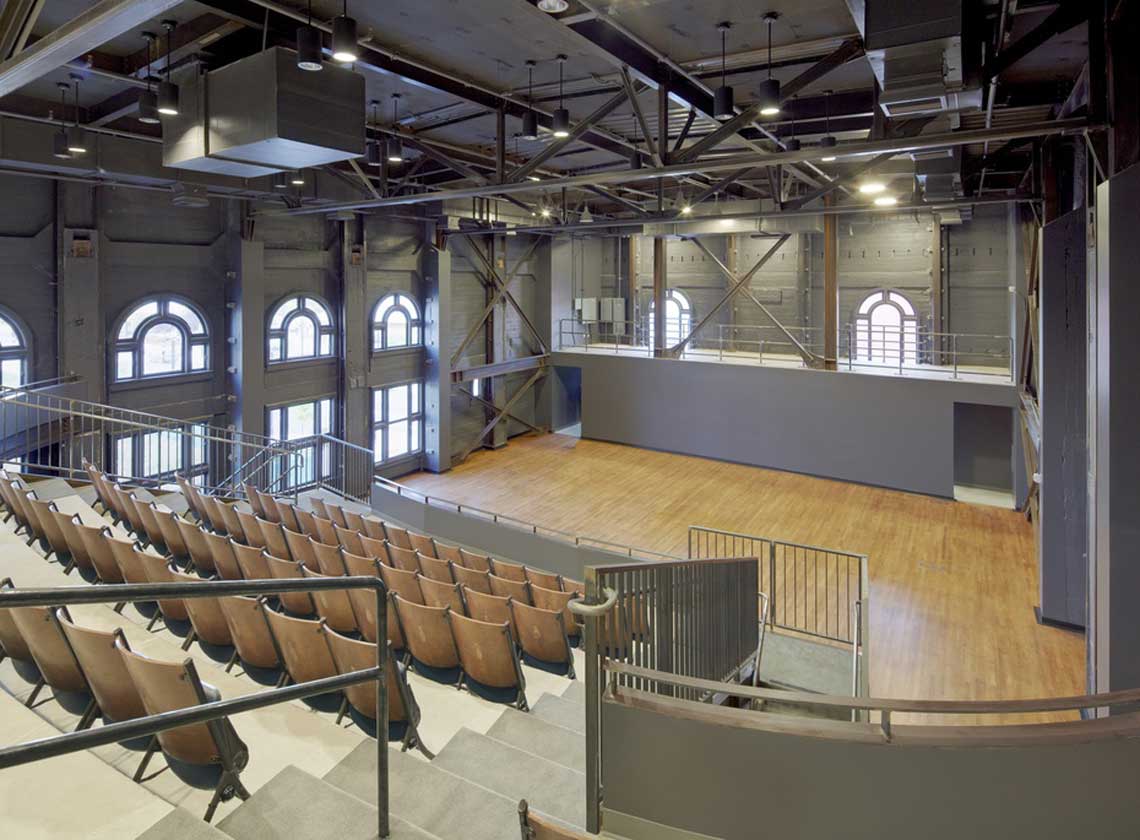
(326, 531)
(349, 539)
(197, 545)
(402, 583)
(171, 535)
(374, 528)
(517, 589)
(49, 648)
(435, 569)
(509, 571)
(193, 497)
(45, 519)
(65, 523)
(302, 646)
(319, 508)
(206, 614)
(129, 564)
(490, 608)
(253, 497)
(96, 539)
(306, 522)
(275, 542)
(250, 532)
(222, 553)
(403, 558)
(249, 631)
(251, 561)
(286, 515)
(473, 560)
(106, 673)
(542, 633)
(555, 601)
(363, 600)
(334, 606)
(479, 581)
(213, 510)
(11, 641)
(397, 536)
(425, 545)
(157, 570)
(270, 509)
(450, 553)
(232, 518)
(428, 634)
(150, 523)
(329, 560)
(375, 548)
(544, 579)
(486, 651)
(336, 515)
(438, 594)
(24, 498)
(354, 520)
(298, 603)
(300, 548)
(352, 655)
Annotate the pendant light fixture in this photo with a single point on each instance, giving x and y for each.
(723, 104)
(148, 101)
(59, 142)
(553, 6)
(344, 46)
(167, 90)
(770, 88)
(76, 136)
(530, 118)
(280, 181)
(793, 143)
(373, 149)
(827, 141)
(309, 45)
(561, 122)
(395, 147)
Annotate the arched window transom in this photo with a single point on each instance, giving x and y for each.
(678, 318)
(886, 329)
(13, 352)
(396, 323)
(300, 327)
(161, 337)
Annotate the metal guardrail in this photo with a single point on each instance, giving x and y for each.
(17, 754)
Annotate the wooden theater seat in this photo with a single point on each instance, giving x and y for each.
(479, 581)
(172, 535)
(302, 646)
(11, 642)
(158, 570)
(428, 635)
(197, 546)
(504, 587)
(475, 561)
(544, 579)
(355, 521)
(44, 527)
(66, 524)
(296, 603)
(151, 526)
(352, 655)
(508, 571)
(306, 522)
(374, 528)
(231, 519)
(107, 675)
(253, 642)
(435, 569)
(193, 498)
(375, 548)
(326, 531)
(334, 606)
(222, 555)
(59, 669)
(206, 616)
(275, 542)
(330, 561)
(423, 544)
(286, 514)
(490, 608)
(438, 594)
(319, 508)
(253, 498)
(397, 536)
(300, 549)
(336, 515)
(450, 553)
(487, 655)
(250, 529)
(402, 583)
(348, 539)
(270, 507)
(542, 635)
(549, 599)
(251, 560)
(96, 539)
(403, 558)
(212, 509)
(363, 600)
(167, 686)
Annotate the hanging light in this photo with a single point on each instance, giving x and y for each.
(344, 46)
(828, 141)
(770, 88)
(723, 107)
(530, 118)
(297, 178)
(167, 90)
(148, 101)
(59, 141)
(872, 187)
(280, 181)
(395, 147)
(793, 143)
(372, 149)
(309, 44)
(886, 201)
(76, 136)
(586, 216)
(561, 120)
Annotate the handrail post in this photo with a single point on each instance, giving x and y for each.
(593, 711)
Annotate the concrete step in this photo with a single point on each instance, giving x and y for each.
(296, 804)
(576, 693)
(517, 774)
(560, 712)
(806, 665)
(180, 824)
(420, 793)
(535, 735)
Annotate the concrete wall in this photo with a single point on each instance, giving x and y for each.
(895, 432)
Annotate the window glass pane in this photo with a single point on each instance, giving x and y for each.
(198, 444)
(198, 481)
(415, 430)
(274, 349)
(140, 314)
(326, 460)
(319, 311)
(901, 301)
(8, 335)
(397, 328)
(398, 402)
(189, 316)
(871, 300)
(275, 423)
(415, 335)
(377, 405)
(306, 467)
(124, 364)
(398, 439)
(12, 373)
(124, 456)
(386, 303)
(300, 421)
(280, 312)
(408, 304)
(197, 357)
(326, 345)
(378, 445)
(377, 338)
(301, 341)
(415, 388)
(162, 452)
(162, 349)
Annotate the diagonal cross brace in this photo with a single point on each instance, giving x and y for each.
(502, 412)
(515, 417)
(631, 95)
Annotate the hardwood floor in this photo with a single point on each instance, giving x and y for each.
(953, 585)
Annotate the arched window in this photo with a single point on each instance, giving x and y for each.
(395, 323)
(300, 327)
(13, 351)
(678, 318)
(886, 329)
(161, 337)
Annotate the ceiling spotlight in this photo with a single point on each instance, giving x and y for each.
(545, 211)
(530, 118)
(561, 120)
(553, 6)
(770, 88)
(886, 201)
(167, 90)
(533, 178)
(59, 145)
(280, 181)
(344, 46)
(76, 136)
(148, 101)
(872, 187)
(723, 107)
(309, 44)
(297, 178)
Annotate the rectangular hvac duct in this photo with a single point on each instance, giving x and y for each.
(263, 114)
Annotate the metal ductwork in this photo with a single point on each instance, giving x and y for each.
(917, 52)
(939, 174)
(263, 115)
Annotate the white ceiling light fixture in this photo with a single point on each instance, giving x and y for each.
(586, 216)
(76, 136)
(560, 123)
(828, 141)
(770, 88)
(344, 46)
(167, 90)
(723, 106)
(886, 201)
(309, 45)
(395, 147)
(553, 6)
(872, 187)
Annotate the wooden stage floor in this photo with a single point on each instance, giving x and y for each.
(953, 585)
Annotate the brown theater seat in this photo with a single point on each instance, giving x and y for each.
(542, 635)
(423, 544)
(544, 579)
(206, 616)
(319, 507)
(374, 528)
(43, 526)
(428, 635)
(479, 581)
(490, 608)
(404, 584)
(66, 524)
(249, 630)
(437, 594)
(297, 603)
(509, 571)
(334, 606)
(326, 531)
(253, 498)
(336, 515)
(193, 498)
(134, 516)
(96, 539)
(172, 535)
(306, 522)
(270, 507)
(450, 553)
(330, 561)
(222, 555)
(275, 542)
(106, 673)
(300, 549)
(397, 536)
(355, 521)
(58, 666)
(168, 686)
(250, 528)
(474, 561)
(403, 558)
(435, 569)
(363, 600)
(11, 642)
(158, 570)
(487, 655)
(151, 525)
(349, 539)
(504, 587)
(251, 561)
(232, 522)
(197, 546)
(375, 548)
(302, 646)
(286, 515)
(213, 512)
(549, 599)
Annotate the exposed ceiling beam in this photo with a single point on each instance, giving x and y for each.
(1067, 15)
(17, 19)
(89, 30)
(631, 95)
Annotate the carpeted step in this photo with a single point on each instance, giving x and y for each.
(516, 774)
(450, 807)
(560, 712)
(535, 735)
(296, 804)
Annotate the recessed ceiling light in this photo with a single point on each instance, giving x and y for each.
(872, 187)
(553, 6)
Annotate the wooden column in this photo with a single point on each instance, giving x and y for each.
(660, 282)
(830, 290)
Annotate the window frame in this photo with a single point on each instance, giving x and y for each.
(684, 319)
(382, 424)
(324, 423)
(135, 343)
(300, 309)
(19, 352)
(188, 432)
(397, 301)
(863, 328)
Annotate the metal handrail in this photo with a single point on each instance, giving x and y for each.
(760, 644)
(70, 742)
(856, 645)
(579, 606)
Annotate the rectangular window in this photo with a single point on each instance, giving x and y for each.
(124, 455)
(198, 357)
(124, 364)
(12, 373)
(397, 421)
(296, 423)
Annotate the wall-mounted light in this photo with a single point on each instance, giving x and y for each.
(344, 46)
(148, 101)
(724, 107)
(167, 90)
(770, 88)
(561, 119)
(309, 45)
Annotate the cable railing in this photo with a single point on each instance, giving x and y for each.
(71, 742)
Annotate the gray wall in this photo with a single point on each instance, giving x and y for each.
(982, 450)
(895, 432)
